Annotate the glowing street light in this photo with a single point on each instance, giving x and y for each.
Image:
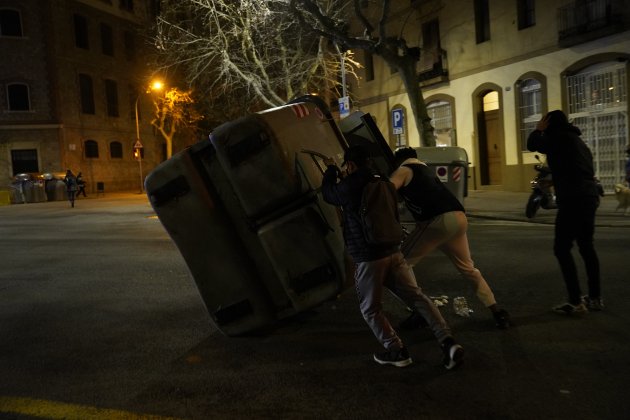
(156, 85)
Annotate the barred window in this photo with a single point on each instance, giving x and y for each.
(530, 108)
(442, 121)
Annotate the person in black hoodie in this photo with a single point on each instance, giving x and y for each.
(378, 266)
(577, 195)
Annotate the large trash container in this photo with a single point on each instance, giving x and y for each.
(246, 212)
(451, 167)
(34, 191)
(18, 188)
(55, 188)
(16, 194)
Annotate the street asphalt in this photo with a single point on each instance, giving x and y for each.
(124, 331)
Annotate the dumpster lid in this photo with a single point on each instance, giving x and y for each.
(442, 154)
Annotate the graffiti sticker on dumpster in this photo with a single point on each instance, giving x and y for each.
(442, 173)
(300, 110)
(457, 173)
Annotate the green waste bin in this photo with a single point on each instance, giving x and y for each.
(451, 167)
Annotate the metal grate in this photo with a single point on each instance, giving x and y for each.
(442, 122)
(598, 106)
(530, 108)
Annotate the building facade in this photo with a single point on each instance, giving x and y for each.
(73, 75)
(491, 69)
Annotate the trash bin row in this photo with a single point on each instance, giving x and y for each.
(25, 189)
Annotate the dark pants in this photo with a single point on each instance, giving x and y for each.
(575, 221)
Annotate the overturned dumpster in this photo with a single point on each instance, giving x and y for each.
(245, 210)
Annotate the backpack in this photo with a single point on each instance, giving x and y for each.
(379, 213)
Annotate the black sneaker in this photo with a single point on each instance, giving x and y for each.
(502, 319)
(398, 357)
(570, 309)
(453, 354)
(593, 304)
(414, 322)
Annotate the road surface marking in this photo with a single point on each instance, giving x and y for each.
(57, 410)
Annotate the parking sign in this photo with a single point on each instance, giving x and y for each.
(397, 121)
(344, 107)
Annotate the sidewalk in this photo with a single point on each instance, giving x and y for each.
(506, 205)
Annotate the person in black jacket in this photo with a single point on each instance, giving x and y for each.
(380, 266)
(80, 185)
(577, 196)
(441, 223)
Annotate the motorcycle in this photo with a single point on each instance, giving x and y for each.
(543, 194)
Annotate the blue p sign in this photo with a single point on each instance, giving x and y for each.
(397, 121)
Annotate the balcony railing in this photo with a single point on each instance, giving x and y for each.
(585, 20)
(433, 67)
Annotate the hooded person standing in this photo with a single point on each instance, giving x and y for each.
(577, 196)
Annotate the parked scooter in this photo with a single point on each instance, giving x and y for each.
(543, 194)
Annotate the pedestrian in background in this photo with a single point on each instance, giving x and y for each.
(441, 223)
(377, 267)
(81, 185)
(577, 195)
(71, 186)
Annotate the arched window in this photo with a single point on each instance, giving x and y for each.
(91, 149)
(10, 23)
(18, 97)
(115, 150)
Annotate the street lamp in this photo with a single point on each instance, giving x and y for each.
(155, 85)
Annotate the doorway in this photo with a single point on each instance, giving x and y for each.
(491, 142)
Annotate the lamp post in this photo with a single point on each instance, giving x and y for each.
(137, 147)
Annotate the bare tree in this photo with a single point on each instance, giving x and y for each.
(245, 53)
(172, 113)
(373, 34)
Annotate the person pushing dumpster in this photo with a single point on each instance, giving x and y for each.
(378, 261)
(441, 223)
